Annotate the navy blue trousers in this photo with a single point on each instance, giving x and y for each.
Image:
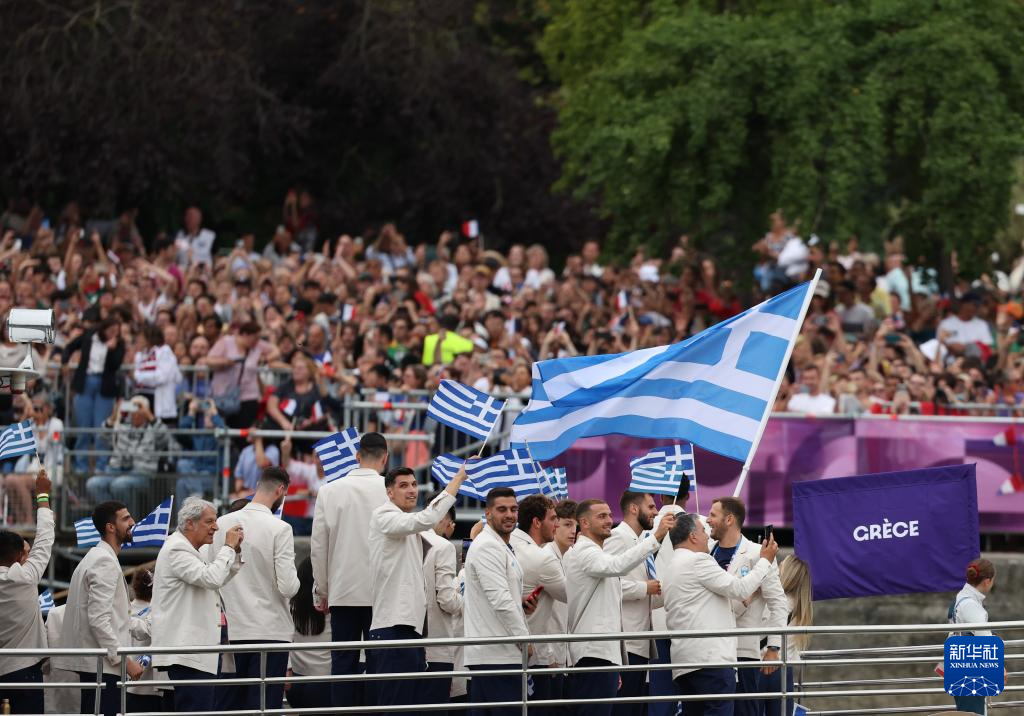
(349, 624)
(747, 682)
(399, 692)
(24, 701)
(602, 685)
(493, 689)
(247, 666)
(190, 698)
(709, 682)
(110, 696)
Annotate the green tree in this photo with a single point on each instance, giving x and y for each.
(863, 117)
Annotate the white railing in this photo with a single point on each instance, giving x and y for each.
(832, 690)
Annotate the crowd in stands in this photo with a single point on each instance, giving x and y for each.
(182, 330)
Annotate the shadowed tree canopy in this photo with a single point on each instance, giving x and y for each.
(872, 118)
(426, 112)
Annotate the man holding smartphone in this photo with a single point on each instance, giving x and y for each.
(767, 607)
(543, 582)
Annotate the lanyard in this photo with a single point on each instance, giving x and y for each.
(735, 550)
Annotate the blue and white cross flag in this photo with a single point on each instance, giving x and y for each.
(509, 468)
(46, 602)
(17, 440)
(662, 470)
(714, 389)
(557, 487)
(152, 530)
(464, 408)
(337, 453)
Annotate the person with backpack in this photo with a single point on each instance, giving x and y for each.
(968, 608)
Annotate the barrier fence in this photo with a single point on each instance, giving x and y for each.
(894, 690)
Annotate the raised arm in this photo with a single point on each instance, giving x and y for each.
(397, 523)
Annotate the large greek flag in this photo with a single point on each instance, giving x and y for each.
(713, 389)
(509, 468)
(662, 470)
(465, 408)
(86, 533)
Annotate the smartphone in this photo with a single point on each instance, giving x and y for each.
(892, 339)
(535, 593)
(769, 530)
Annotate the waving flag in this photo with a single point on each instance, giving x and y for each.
(713, 389)
(337, 453)
(17, 440)
(288, 407)
(509, 468)
(46, 602)
(557, 483)
(86, 533)
(463, 408)
(152, 530)
(662, 470)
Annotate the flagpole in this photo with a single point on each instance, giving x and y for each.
(778, 384)
(693, 459)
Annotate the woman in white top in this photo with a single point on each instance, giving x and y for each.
(796, 583)
(968, 608)
(310, 626)
(157, 373)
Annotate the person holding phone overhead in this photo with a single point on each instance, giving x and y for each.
(543, 582)
(767, 607)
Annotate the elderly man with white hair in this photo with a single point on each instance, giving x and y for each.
(185, 605)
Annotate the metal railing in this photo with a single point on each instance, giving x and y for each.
(834, 690)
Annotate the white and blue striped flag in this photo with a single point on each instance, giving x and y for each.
(152, 530)
(337, 453)
(46, 602)
(467, 409)
(86, 533)
(662, 470)
(279, 512)
(557, 483)
(17, 440)
(509, 468)
(713, 389)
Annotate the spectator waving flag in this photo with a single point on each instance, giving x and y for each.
(466, 409)
(337, 453)
(17, 440)
(509, 468)
(85, 532)
(46, 602)
(714, 389)
(662, 470)
(152, 530)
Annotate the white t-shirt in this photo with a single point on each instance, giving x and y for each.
(966, 332)
(201, 245)
(820, 404)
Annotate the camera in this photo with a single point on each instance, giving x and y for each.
(29, 325)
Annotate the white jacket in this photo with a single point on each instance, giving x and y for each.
(21, 622)
(157, 369)
(697, 595)
(443, 596)
(595, 594)
(662, 562)
(396, 562)
(186, 606)
(97, 613)
(339, 545)
(559, 615)
(258, 601)
(494, 605)
(636, 602)
(540, 567)
(768, 606)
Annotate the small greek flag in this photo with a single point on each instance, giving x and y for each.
(46, 602)
(557, 483)
(152, 530)
(663, 469)
(17, 440)
(86, 532)
(467, 409)
(337, 453)
(509, 468)
(279, 512)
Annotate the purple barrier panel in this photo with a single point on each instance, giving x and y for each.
(796, 449)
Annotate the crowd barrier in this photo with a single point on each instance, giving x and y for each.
(898, 693)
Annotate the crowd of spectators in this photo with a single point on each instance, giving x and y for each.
(185, 331)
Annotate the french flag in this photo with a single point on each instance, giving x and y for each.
(318, 411)
(288, 407)
(1007, 437)
(621, 301)
(348, 313)
(1014, 484)
(471, 229)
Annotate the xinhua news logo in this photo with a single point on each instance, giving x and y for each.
(974, 666)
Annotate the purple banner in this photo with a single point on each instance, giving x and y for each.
(798, 449)
(890, 533)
